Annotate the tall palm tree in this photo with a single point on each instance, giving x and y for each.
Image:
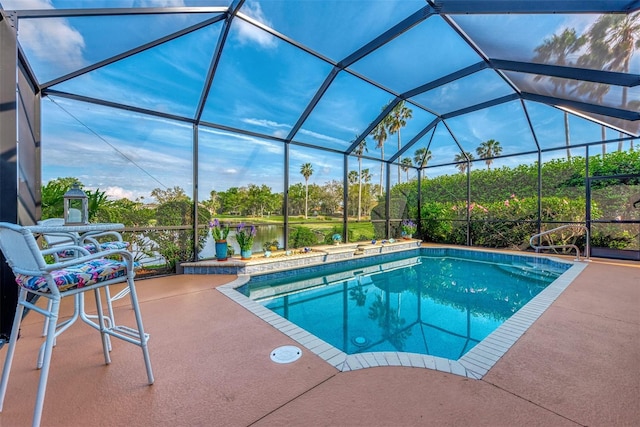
(622, 36)
(365, 178)
(488, 150)
(460, 157)
(397, 119)
(352, 177)
(380, 137)
(306, 170)
(421, 157)
(359, 151)
(406, 164)
(556, 50)
(612, 40)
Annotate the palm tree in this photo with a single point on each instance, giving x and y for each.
(365, 177)
(306, 170)
(380, 137)
(556, 50)
(406, 164)
(359, 151)
(612, 41)
(352, 177)
(488, 150)
(622, 37)
(465, 158)
(397, 119)
(421, 157)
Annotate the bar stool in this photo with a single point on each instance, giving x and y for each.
(89, 272)
(90, 243)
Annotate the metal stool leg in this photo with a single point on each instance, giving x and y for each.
(44, 373)
(143, 336)
(15, 330)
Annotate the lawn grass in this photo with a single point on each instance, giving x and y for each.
(362, 230)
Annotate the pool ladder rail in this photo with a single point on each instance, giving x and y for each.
(572, 246)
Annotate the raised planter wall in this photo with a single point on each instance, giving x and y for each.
(280, 261)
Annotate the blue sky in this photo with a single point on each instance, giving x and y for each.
(263, 84)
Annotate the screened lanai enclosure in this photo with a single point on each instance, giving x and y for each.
(482, 122)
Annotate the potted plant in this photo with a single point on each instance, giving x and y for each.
(244, 236)
(337, 238)
(270, 246)
(408, 228)
(220, 233)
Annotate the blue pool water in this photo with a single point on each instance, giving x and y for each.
(440, 303)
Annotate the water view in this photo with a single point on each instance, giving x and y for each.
(264, 234)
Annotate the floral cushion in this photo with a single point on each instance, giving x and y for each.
(70, 253)
(86, 274)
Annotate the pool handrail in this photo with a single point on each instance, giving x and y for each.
(544, 233)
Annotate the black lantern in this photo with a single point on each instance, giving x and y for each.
(76, 206)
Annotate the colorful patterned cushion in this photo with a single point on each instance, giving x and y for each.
(70, 253)
(86, 274)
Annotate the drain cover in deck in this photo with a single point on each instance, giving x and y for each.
(286, 354)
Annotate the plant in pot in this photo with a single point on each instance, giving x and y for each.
(269, 247)
(337, 238)
(220, 232)
(408, 228)
(244, 236)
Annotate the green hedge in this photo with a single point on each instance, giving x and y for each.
(504, 208)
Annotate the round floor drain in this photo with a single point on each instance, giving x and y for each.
(286, 354)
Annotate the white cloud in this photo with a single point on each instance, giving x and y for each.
(233, 143)
(248, 33)
(26, 4)
(51, 40)
(280, 133)
(265, 123)
(116, 193)
(139, 168)
(159, 3)
(279, 130)
(321, 136)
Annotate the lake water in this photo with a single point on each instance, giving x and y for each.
(264, 233)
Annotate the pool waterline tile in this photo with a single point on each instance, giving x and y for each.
(474, 364)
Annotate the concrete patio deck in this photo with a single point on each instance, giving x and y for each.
(579, 364)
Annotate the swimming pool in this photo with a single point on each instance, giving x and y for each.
(448, 309)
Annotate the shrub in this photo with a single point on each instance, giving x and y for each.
(436, 221)
(301, 237)
(398, 210)
(328, 235)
